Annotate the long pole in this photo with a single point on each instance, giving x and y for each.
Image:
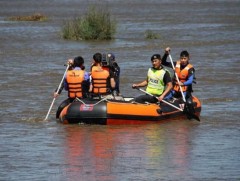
(50, 108)
(162, 100)
(184, 99)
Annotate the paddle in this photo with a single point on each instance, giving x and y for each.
(157, 98)
(177, 79)
(50, 108)
(185, 111)
(188, 107)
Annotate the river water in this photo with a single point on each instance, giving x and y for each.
(32, 56)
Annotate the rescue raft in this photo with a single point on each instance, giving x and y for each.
(115, 112)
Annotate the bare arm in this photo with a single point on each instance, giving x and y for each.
(142, 84)
(166, 91)
(113, 83)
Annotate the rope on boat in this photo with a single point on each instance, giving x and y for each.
(91, 104)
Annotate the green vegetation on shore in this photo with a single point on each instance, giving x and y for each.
(95, 25)
(34, 17)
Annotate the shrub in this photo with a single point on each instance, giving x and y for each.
(95, 25)
(149, 34)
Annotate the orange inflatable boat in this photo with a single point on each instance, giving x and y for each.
(104, 111)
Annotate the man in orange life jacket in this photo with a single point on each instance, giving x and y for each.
(185, 72)
(76, 82)
(102, 81)
(158, 82)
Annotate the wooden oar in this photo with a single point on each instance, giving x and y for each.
(50, 108)
(189, 116)
(189, 112)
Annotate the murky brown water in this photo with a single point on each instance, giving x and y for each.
(32, 55)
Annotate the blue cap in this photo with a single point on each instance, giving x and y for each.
(111, 56)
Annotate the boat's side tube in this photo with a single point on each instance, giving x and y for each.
(78, 112)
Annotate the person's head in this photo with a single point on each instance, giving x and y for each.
(78, 62)
(156, 61)
(184, 57)
(111, 57)
(97, 57)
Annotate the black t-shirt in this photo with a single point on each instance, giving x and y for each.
(167, 78)
(111, 73)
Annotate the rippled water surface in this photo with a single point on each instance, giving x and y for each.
(32, 55)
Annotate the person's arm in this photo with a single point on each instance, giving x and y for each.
(166, 91)
(112, 80)
(190, 78)
(90, 84)
(164, 59)
(112, 83)
(142, 84)
(168, 85)
(56, 94)
(64, 84)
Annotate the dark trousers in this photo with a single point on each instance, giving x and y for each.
(145, 98)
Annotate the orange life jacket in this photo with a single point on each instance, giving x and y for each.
(74, 79)
(182, 76)
(100, 80)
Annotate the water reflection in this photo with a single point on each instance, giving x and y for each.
(109, 152)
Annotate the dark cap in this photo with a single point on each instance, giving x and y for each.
(156, 56)
(111, 56)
